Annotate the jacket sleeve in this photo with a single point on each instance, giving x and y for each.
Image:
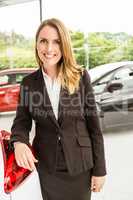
(94, 129)
(23, 122)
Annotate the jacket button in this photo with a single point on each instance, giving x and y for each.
(59, 137)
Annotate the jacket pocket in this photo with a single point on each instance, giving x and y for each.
(84, 141)
(86, 152)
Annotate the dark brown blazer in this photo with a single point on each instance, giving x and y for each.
(77, 125)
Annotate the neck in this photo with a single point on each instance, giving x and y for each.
(51, 72)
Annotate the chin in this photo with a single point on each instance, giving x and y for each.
(49, 65)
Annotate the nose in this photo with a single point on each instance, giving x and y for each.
(49, 47)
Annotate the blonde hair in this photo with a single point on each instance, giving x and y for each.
(69, 72)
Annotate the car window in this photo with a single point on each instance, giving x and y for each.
(10, 79)
(19, 77)
(128, 84)
(101, 84)
(122, 74)
(125, 76)
(4, 80)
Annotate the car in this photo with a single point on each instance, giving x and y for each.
(10, 80)
(113, 89)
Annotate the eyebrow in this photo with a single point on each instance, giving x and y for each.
(47, 39)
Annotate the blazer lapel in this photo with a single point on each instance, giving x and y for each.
(64, 105)
(46, 103)
(64, 101)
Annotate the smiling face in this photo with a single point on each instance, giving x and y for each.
(48, 47)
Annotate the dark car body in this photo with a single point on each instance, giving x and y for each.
(113, 89)
(10, 80)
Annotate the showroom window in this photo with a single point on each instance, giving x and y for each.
(98, 37)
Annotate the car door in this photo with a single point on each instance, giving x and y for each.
(14, 88)
(4, 85)
(99, 87)
(8, 89)
(117, 106)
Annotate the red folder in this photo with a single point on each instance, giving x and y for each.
(13, 174)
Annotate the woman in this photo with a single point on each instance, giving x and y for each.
(68, 144)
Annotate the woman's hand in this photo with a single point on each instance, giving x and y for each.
(24, 156)
(97, 183)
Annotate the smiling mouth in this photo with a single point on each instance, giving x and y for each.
(49, 56)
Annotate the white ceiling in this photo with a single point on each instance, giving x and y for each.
(12, 2)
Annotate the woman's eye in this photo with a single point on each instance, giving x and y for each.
(57, 41)
(43, 41)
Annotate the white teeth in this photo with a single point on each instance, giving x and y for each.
(49, 56)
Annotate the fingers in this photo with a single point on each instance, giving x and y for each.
(35, 160)
(95, 187)
(26, 162)
(97, 183)
(24, 157)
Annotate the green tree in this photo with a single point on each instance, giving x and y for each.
(78, 46)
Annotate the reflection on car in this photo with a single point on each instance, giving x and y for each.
(113, 89)
(10, 80)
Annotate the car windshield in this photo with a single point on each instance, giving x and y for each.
(100, 70)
